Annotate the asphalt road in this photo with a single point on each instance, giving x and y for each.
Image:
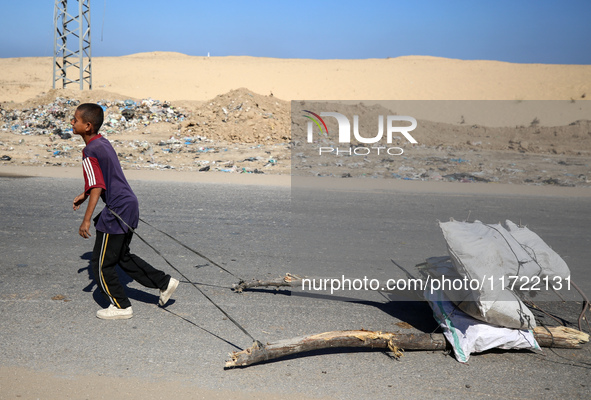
(264, 232)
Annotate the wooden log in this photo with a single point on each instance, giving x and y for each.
(290, 280)
(287, 280)
(337, 339)
(558, 337)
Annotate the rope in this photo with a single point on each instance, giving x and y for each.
(188, 280)
(194, 251)
(519, 262)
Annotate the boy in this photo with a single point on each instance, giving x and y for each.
(103, 177)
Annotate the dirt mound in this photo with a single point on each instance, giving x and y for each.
(241, 116)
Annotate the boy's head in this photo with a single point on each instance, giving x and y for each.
(88, 113)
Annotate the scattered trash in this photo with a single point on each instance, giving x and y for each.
(54, 118)
(434, 176)
(556, 182)
(5, 158)
(260, 124)
(62, 134)
(464, 177)
(458, 160)
(41, 120)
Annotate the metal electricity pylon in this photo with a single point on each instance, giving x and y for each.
(71, 48)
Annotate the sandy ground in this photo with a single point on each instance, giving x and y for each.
(227, 119)
(174, 77)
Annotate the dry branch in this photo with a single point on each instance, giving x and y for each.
(560, 337)
(290, 280)
(337, 339)
(287, 280)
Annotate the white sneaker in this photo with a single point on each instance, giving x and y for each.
(113, 312)
(165, 294)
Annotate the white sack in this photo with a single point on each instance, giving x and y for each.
(468, 335)
(507, 310)
(489, 254)
(551, 263)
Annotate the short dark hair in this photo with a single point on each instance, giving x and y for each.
(93, 113)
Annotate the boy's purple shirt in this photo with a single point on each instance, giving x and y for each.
(102, 169)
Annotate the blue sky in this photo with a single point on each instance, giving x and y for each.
(522, 31)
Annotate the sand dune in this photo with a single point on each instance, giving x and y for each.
(175, 77)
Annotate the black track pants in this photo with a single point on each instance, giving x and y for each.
(110, 250)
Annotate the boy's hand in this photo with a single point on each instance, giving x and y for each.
(84, 230)
(79, 200)
(95, 194)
